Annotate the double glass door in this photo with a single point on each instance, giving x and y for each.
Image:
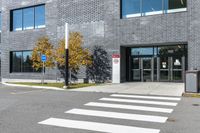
(172, 68)
(147, 69)
(142, 69)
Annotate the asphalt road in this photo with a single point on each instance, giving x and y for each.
(25, 110)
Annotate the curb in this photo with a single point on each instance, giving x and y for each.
(36, 87)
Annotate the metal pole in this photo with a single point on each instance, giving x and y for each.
(66, 67)
(43, 74)
(66, 55)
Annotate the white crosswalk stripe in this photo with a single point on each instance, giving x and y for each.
(124, 103)
(130, 107)
(148, 118)
(147, 97)
(138, 101)
(94, 126)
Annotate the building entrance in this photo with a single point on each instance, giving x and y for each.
(142, 68)
(158, 64)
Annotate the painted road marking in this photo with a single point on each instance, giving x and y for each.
(147, 118)
(94, 126)
(26, 92)
(130, 107)
(147, 97)
(138, 101)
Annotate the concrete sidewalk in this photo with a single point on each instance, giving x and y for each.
(147, 88)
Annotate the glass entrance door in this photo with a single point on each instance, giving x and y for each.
(136, 65)
(178, 67)
(157, 63)
(142, 69)
(172, 68)
(147, 64)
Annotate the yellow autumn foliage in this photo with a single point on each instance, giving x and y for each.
(78, 56)
(43, 47)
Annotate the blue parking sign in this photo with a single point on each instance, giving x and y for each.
(43, 58)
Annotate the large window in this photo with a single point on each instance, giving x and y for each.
(21, 61)
(28, 18)
(134, 8)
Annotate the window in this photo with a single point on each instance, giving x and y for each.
(150, 7)
(16, 61)
(135, 8)
(17, 20)
(39, 17)
(28, 18)
(175, 5)
(131, 8)
(142, 51)
(21, 62)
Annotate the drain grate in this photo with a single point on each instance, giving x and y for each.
(171, 120)
(195, 105)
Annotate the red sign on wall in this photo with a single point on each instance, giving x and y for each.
(115, 56)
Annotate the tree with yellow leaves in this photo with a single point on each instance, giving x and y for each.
(78, 56)
(43, 47)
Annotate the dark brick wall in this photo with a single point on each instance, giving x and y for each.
(25, 40)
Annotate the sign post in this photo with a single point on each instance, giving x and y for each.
(44, 59)
(116, 68)
(66, 55)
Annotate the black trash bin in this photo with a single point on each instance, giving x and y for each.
(192, 81)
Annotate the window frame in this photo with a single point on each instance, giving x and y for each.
(164, 11)
(22, 8)
(22, 57)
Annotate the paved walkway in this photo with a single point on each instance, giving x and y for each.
(147, 88)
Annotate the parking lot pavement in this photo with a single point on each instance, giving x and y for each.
(30, 110)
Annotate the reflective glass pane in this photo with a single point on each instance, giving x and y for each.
(16, 61)
(136, 63)
(142, 51)
(164, 75)
(147, 76)
(28, 18)
(17, 20)
(171, 50)
(177, 63)
(164, 63)
(136, 75)
(130, 8)
(147, 63)
(27, 63)
(150, 7)
(177, 75)
(40, 16)
(175, 5)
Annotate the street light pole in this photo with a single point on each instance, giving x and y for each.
(66, 55)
